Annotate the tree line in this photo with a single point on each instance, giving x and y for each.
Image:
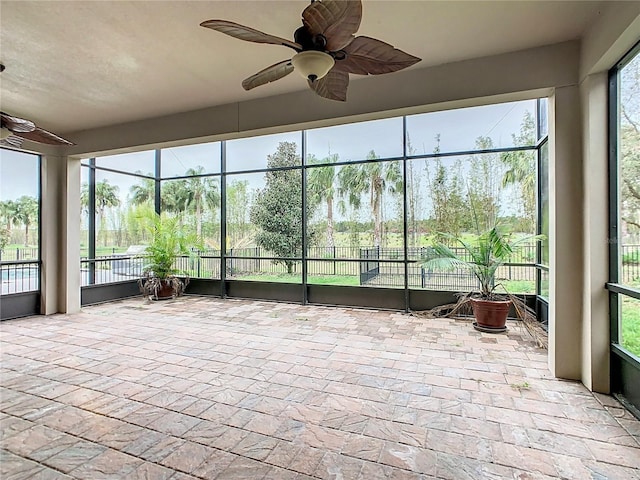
(347, 198)
(22, 212)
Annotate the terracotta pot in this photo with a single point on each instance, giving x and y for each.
(490, 313)
(165, 292)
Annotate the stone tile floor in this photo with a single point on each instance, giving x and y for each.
(239, 389)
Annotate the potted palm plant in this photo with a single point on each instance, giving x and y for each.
(160, 279)
(482, 257)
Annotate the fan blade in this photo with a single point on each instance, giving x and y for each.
(41, 135)
(248, 34)
(332, 86)
(15, 124)
(369, 56)
(268, 75)
(11, 141)
(337, 20)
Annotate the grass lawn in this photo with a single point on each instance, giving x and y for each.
(630, 324)
(517, 286)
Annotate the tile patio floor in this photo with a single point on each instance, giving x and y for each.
(238, 389)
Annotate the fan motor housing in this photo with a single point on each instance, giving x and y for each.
(308, 41)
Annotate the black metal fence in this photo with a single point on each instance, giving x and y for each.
(373, 266)
(370, 269)
(111, 269)
(20, 253)
(630, 256)
(19, 276)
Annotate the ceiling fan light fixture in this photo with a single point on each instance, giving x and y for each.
(312, 64)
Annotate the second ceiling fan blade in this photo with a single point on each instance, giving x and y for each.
(16, 124)
(11, 141)
(248, 34)
(41, 135)
(370, 56)
(269, 74)
(332, 86)
(337, 20)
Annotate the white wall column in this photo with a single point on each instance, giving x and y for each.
(595, 306)
(565, 233)
(60, 226)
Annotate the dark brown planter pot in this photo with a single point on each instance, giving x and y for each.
(165, 292)
(491, 314)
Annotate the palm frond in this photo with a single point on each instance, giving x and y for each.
(482, 257)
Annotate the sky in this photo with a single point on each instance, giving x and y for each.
(458, 130)
(18, 175)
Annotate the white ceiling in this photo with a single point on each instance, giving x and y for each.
(73, 65)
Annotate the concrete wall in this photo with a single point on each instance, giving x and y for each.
(595, 258)
(565, 233)
(60, 230)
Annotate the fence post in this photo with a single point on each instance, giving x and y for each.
(334, 261)
(17, 253)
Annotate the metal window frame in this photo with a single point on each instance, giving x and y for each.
(304, 166)
(624, 365)
(92, 219)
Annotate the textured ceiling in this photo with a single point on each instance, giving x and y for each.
(78, 65)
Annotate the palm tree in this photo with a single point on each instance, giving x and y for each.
(143, 192)
(321, 186)
(8, 212)
(373, 178)
(26, 212)
(521, 168)
(106, 197)
(175, 197)
(200, 191)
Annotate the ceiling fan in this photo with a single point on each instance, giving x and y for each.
(327, 50)
(13, 131)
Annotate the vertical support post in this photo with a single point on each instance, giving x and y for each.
(334, 261)
(305, 298)
(92, 221)
(566, 226)
(223, 219)
(538, 198)
(60, 235)
(405, 236)
(613, 240)
(157, 202)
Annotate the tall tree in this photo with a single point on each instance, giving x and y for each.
(630, 147)
(521, 169)
(630, 180)
(143, 192)
(8, 213)
(414, 198)
(238, 201)
(321, 186)
(450, 211)
(4, 239)
(174, 198)
(372, 179)
(485, 175)
(200, 191)
(26, 212)
(106, 197)
(277, 208)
